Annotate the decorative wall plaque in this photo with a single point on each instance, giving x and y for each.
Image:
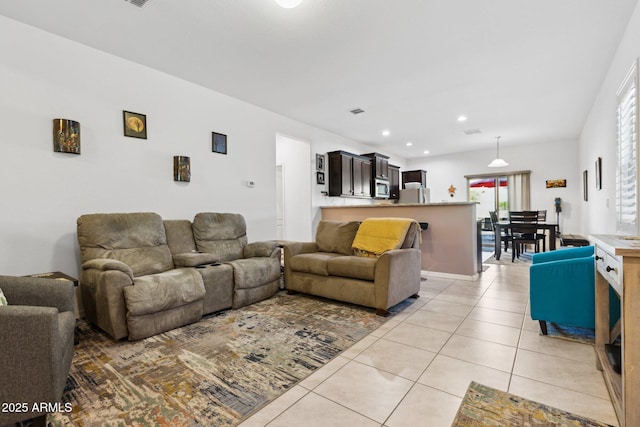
(182, 168)
(66, 136)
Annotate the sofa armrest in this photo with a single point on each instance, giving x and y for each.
(397, 276)
(103, 296)
(30, 356)
(40, 292)
(297, 248)
(194, 259)
(104, 264)
(262, 249)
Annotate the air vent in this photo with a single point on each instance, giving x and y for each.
(138, 3)
(472, 131)
(357, 111)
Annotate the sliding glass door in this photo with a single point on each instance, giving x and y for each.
(499, 192)
(491, 194)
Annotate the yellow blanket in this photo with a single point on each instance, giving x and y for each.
(378, 235)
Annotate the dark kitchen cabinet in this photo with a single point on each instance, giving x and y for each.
(415, 176)
(380, 165)
(394, 182)
(350, 175)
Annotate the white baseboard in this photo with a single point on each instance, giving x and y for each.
(471, 278)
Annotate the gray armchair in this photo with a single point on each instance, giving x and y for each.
(37, 343)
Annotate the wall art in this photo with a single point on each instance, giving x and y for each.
(320, 162)
(556, 183)
(320, 178)
(182, 168)
(599, 173)
(219, 143)
(135, 124)
(66, 136)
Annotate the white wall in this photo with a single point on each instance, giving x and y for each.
(598, 138)
(546, 160)
(43, 76)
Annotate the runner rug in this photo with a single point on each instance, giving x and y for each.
(484, 406)
(215, 372)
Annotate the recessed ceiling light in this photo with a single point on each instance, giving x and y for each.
(426, 151)
(409, 144)
(462, 118)
(386, 132)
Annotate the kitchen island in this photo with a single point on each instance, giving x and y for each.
(449, 244)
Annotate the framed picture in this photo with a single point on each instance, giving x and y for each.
(556, 183)
(135, 124)
(320, 162)
(320, 178)
(219, 143)
(599, 173)
(585, 185)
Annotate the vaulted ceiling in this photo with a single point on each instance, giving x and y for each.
(525, 70)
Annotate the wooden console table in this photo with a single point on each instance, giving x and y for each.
(618, 266)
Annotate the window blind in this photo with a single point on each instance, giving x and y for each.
(627, 170)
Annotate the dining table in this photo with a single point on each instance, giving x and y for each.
(505, 225)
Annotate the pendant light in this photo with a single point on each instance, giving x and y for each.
(288, 4)
(498, 162)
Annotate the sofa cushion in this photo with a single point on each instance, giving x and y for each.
(333, 236)
(314, 263)
(136, 239)
(254, 272)
(354, 267)
(179, 236)
(222, 234)
(158, 292)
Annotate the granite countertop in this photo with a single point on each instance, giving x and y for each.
(386, 205)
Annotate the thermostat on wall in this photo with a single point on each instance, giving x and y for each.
(251, 183)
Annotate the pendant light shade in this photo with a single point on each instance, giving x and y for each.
(498, 162)
(288, 4)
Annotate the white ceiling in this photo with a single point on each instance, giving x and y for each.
(525, 70)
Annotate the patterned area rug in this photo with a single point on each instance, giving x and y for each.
(215, 372)
(571, 333)
(485, 406)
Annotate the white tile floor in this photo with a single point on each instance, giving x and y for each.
(415, 369)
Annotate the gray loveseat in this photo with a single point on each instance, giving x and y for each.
(329, 268)
(142, 275)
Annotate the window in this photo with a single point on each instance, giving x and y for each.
(627, 170)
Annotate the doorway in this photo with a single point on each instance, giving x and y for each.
(293, 189)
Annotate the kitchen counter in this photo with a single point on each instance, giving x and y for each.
(449, 244)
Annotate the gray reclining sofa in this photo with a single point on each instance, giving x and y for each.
(142, 275)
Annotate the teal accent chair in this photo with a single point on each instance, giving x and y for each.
(562, 288)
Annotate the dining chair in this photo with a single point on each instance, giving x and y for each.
(542, 217)
(524, 230)
(505, 233)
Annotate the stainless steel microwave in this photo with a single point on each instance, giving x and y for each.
(383, 189)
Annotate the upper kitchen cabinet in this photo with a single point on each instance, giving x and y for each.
(415, 176)
(350, 175)
(380, 165)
